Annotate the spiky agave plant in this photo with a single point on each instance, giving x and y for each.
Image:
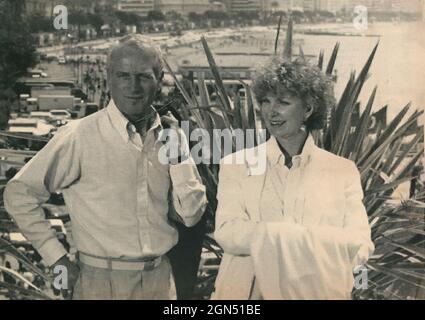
(382, 164)
(397, 269)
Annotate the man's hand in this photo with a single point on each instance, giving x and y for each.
(179, 148)
(72, 272)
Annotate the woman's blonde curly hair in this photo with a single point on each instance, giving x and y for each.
(302, 79)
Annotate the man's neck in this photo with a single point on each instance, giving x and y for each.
(141, 119)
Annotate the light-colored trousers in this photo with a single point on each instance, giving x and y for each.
(105, 284)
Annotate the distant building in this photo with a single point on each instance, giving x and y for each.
(377, 5)
(44, 7)
(408, 6)
(310, 5)
(289, 5)
(105, 5)
(333, 6)
(411, 6)
(244, 5)
(297, 5)
(139, 7)
(184, 6)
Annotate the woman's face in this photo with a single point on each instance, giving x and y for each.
(283, 114)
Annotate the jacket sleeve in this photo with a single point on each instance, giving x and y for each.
(188, 192)
(356, 218)
(53, 168)
(354, 238)
(319, 258)
(233, 227)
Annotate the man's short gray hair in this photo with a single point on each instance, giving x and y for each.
(141, 43)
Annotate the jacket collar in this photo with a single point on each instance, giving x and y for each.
(276, 156)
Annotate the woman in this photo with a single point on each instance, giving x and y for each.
(299, 230)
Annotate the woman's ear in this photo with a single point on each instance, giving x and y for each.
(308, 111)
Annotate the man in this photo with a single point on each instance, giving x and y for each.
(115, 187)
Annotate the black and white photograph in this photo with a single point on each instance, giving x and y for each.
(212, 150)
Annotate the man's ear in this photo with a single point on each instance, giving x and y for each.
(159, 90)
(108, 78)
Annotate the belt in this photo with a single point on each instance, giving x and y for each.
(145, 264)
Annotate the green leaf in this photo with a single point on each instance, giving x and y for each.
(332, 59)
(287, 50)
(363, 127)
(216, 74)
(320, 60)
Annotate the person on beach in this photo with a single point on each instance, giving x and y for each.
(300, 229)
(117, 191)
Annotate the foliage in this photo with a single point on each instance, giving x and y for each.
(8, 100)
(127, 18)
(38, 22)
(194, 17)
(17, 51)
(77, 18)
(215, 15)
(96, 20)
(155, 16)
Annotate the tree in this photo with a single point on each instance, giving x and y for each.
(77, 18)
(174, 16)
(274, 5)
(17, 53)
(155, 15)
(128, 18)
(309, 15)
(297, 15)
(194, 17)
(38, 22)
(247, 15)
(95, 20)
(17, 50)
(215, 15)
(325, 14)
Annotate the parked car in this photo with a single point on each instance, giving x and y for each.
(59, 115)
(32, 126)
(36, 73)
(55, 102)
(42, 115)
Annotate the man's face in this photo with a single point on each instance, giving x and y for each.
(133, 83)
